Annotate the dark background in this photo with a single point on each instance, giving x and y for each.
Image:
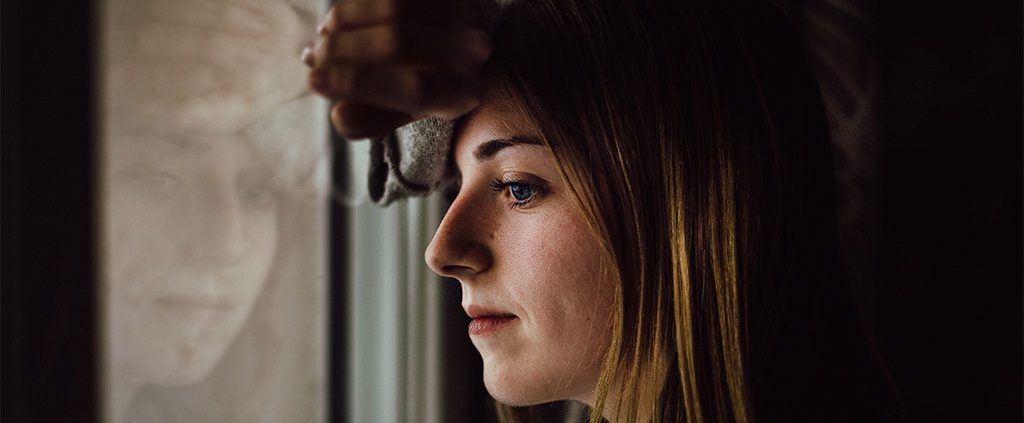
(948, 295)
(946, 301)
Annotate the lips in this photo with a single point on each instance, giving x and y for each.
(185, 302)
(487, 325)
(486, 321)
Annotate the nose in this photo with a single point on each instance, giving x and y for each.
(218, 227)
(459, 248)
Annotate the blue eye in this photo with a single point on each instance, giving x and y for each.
(521, 192)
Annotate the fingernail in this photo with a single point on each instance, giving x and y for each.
(321, 29)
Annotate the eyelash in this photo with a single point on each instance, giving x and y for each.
(499, 185)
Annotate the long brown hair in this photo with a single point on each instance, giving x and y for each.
(693, 138)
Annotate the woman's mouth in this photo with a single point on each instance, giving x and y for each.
(487, 321)
(193, 307)
(193, 302)
(485, 325)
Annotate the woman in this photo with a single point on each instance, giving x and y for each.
(643, 218)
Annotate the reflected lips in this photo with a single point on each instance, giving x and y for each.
(186, 306)
(486, 322)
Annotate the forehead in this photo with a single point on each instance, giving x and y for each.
(495, 119)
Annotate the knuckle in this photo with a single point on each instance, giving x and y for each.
(347, 122)
(338, 113)
(334, 14)
(337, 119)
(329, 46)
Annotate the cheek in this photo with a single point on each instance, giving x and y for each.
(565, 285)
(261, 227)
(558, 275)
(142, 238)
(254, 270)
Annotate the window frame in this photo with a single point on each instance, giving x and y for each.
(49, 293)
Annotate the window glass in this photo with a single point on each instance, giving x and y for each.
(215, 163)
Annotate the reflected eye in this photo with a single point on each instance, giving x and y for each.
(257, 189)
(148, 182)
(257, 197)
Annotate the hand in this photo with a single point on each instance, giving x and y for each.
(386, 63)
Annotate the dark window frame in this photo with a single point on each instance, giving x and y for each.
(49, 241)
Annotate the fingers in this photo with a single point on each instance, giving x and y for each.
(406, 46)
(385, 62)
(357, 121)
(447, 94)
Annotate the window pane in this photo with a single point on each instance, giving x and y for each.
(214, 174)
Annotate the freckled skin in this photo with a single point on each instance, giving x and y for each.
(539, 262)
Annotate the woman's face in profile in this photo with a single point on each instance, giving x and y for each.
(533, 276)
(192, 231)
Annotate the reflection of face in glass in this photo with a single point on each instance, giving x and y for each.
(192, 235)
(208, 125)
(198, 98)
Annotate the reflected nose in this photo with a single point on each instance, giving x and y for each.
(219, 228)
(458, 249)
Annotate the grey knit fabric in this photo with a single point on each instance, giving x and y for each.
(409, 162)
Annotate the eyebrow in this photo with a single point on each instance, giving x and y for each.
(488, 149)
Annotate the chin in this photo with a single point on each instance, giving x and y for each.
(187, 364)
(184, 377)
(514, 388)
